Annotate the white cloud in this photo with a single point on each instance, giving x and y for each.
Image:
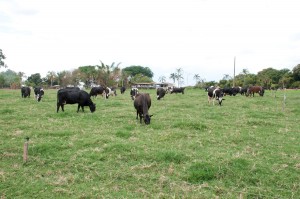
(201, 37)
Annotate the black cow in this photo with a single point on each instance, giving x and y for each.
(97, 90)
(72, 96)
(178, 90)
(243, 90)
(142, 104)
(160, 92)
(215, 93)
(231, 91)
(133, 92)
(25, 91)
(39, 93)
(122, 89)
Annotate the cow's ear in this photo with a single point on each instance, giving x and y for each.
(150, 115)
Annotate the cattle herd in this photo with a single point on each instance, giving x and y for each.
(141, 101)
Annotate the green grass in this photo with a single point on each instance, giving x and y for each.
(247, 148)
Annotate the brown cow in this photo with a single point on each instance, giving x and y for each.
(142, 104)
(255, 89)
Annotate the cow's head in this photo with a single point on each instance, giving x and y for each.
(93, 107)
(220, 98)
(147, 118)
(40, 95)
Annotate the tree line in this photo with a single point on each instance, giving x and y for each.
(113, 75)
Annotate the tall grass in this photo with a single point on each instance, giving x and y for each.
(249, 147)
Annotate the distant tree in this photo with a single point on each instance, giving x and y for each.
(296, 72)
(197, 78)
(10, 79)
(140, 78)
(162, 79)
(34, 79)
(173, 76)
(2, 57)
(109, 75)
(134, 70)
(51, 77)
(179, 76)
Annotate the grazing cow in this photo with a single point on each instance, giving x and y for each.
(142, 104)
(110, 92)
(122, 89)
(215, 93)
(243, 90)
(97, 90)
(72, 96)
(133, 92)
(178, 90)
(255, 89)
(160, 92)
(231, 91)
(39, 93)
(25, 91)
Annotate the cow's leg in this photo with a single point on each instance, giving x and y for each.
(57, 109)
(78, 107)
(62, 107)
(137, 113)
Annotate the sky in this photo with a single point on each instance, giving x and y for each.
(199, 36)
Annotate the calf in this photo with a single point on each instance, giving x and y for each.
(178, 90)
(133, 93)
(25, 91)
(215, 93)
(160, 92)
(39, 93)
(142, 104)
(71, 96)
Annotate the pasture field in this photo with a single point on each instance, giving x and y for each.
(248, 148)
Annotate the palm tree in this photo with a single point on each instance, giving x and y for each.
(162, 79)
(197, 78)
(173, 76)
(179, 76)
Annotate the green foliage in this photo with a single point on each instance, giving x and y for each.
(9, 78)
(296, 72)
(34, 80)
(2, 57)
(140, 78)
(135, 70)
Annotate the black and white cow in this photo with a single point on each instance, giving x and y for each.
(178, 90)
(160, 92)
(142, 104)
(25, 91)
(122, 89)
(215, 93)
(39, 93)
(110, 92)
(72, 96)
(133, 92)
(99, 90)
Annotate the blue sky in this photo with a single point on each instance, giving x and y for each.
(200, 36)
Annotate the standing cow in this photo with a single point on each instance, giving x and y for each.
(215, 93)
(142, 104)
(99, 90)
(160, 92)
(39, 93)
(178, 90)
(255, 89)
(72, 96)
(122, 89)
(25, 91)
